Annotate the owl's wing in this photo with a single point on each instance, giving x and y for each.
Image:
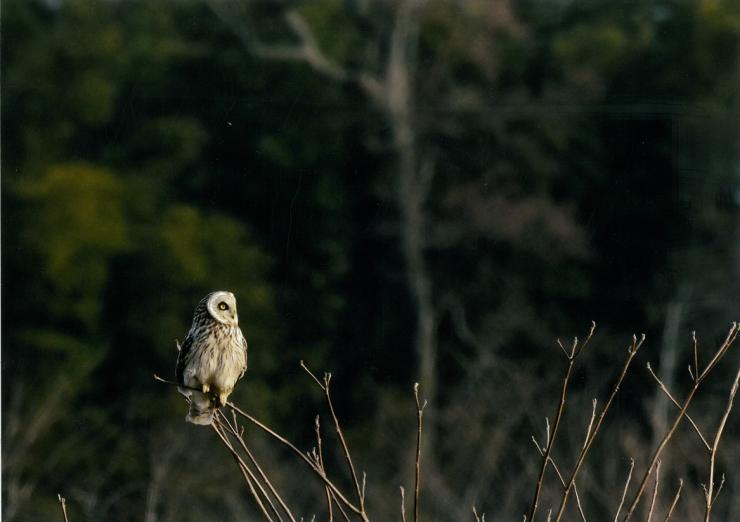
(182, 358)
(244, 344)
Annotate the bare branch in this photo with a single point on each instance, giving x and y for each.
(626, 487)
(558, 416)
(340, 434)
(419, 414)
(238, 434)
(313, 376)
(243, 468)
(63, 503)
(729, 340)
(337, 493)
(675, 501)
(631, 354)
(675, 402)
(591, 422)
(562, 480)
(306, 50)
(403, 505)
(655, 492)
(329, 510)
(710, 497)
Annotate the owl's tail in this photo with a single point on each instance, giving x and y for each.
(201, 410)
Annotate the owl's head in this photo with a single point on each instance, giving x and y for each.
(222, 307)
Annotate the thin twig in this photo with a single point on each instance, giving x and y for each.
(710, 498)
(342, 440)
(403, 505)
(63, 503)
(317, 427)
(419, 414)
(631, 354)
(655, 492)
(311, 374)
(243, 467)
(594, 402)
(675, 501)
(574, 352)
(234, 429)
(336, 492)
(696, 353)
(173, 383)
(562, 480)
(729, 340)
(675, 402)
(626, 487)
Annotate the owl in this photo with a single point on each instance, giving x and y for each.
(212, 357)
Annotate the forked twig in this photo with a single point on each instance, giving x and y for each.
(675, 402)
(591, 434)
(246, 473)
(238, 435)
(345, 448)
(562, 480)
(63, 503)
(571, 357)
(699, 378)
(329, 502)
(709, 496)
(338, 495)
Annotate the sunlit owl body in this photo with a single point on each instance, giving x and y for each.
(212, 357)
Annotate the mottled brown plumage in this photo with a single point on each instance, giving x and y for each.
(213, 356)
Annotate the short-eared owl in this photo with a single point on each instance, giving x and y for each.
(212, 357)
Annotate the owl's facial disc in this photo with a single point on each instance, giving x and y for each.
(222, 307)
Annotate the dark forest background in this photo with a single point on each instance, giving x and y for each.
(396, 192)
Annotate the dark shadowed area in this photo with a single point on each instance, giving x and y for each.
(396, 192)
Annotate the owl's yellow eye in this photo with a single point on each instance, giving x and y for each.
(223, 306)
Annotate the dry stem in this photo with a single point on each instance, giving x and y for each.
(403, 505)
(360, 490)
(419, 414)
(320, 463)
(238, 434)
(571, 357)
(562, 480)
(338, 495)
(709, 496)
(675, 501)
(248, 476)
(655, 492)
(675, 402)
(698, 379)
(626, 487)
(63, 503)
(591, 434)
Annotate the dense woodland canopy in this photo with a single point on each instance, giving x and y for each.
(395, 191)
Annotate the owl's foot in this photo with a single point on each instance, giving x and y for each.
(222, 398)
(206, 388)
